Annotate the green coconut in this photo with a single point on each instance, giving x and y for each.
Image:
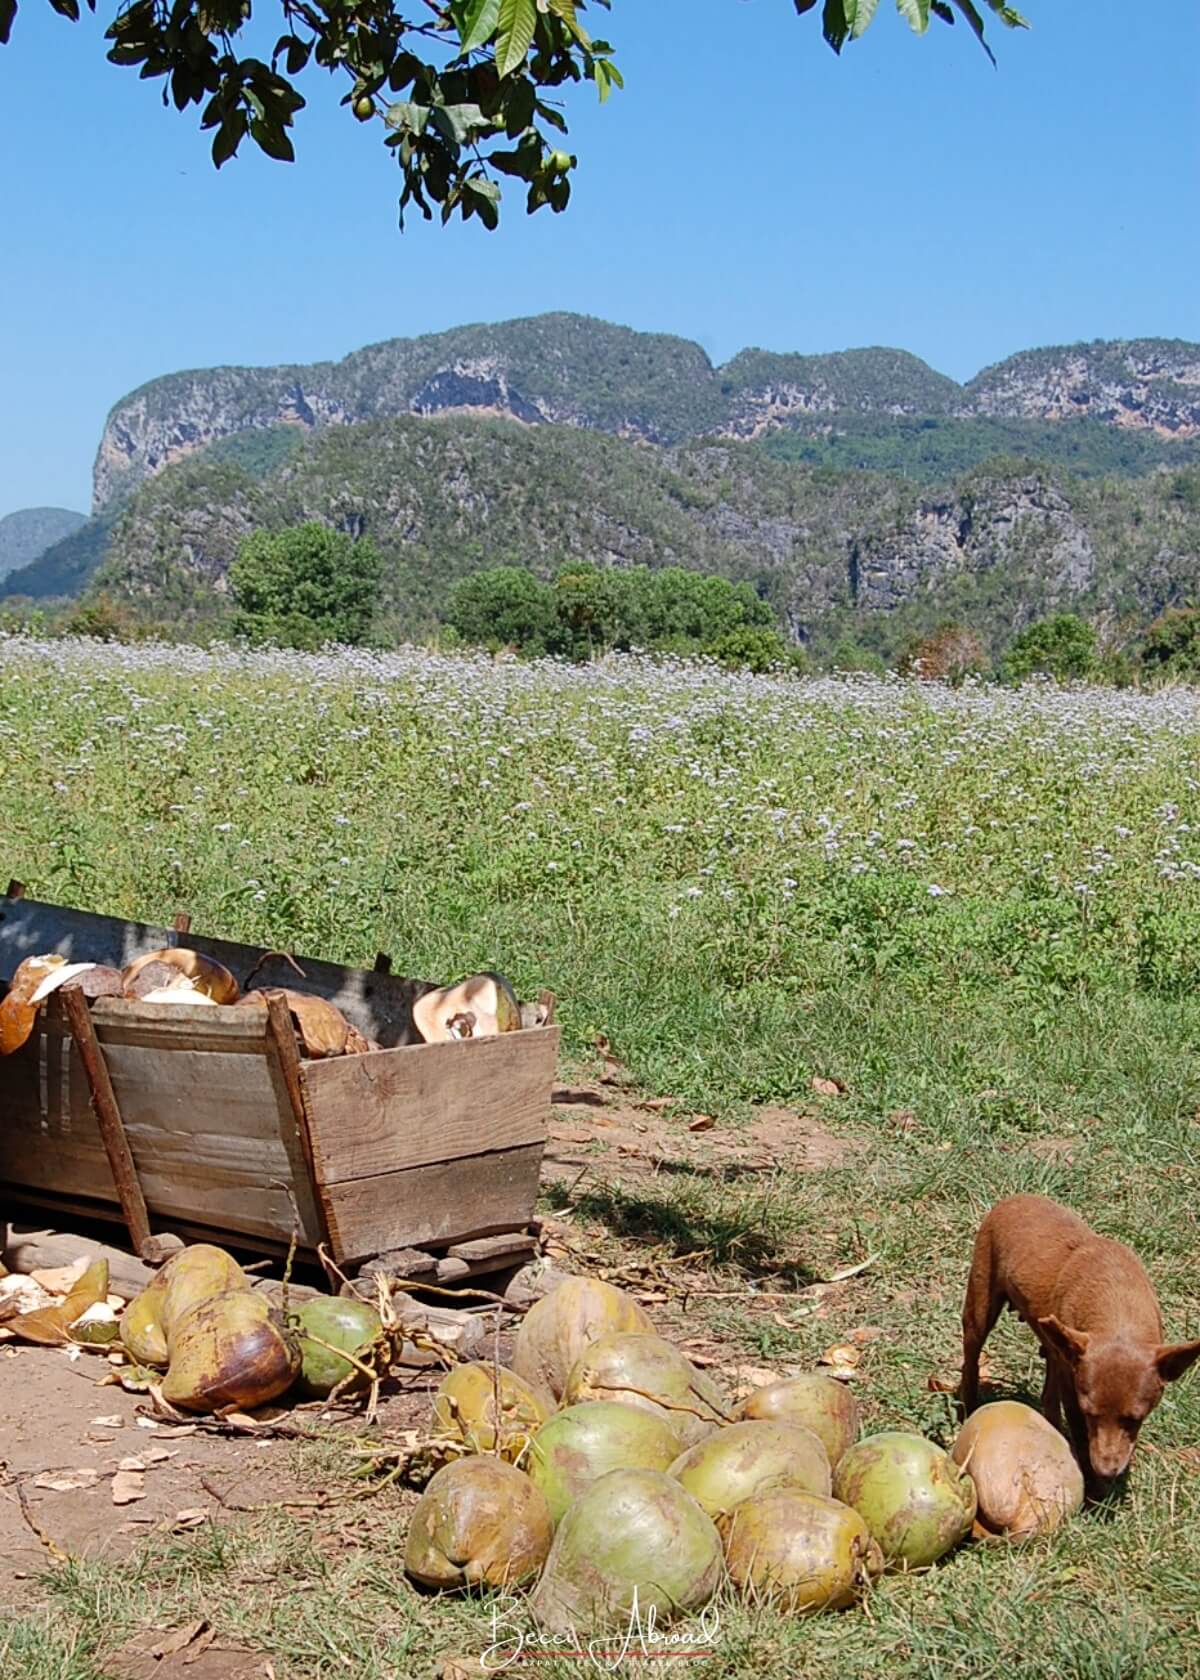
(1026, 1479)
(232, 1350)
(582, 1443)
(634, 1536)
(467, 1403)
(819, 1403)
(192, 1275)
(802, 1551)
(556, 1329)
(480, 1522)
(636, 1369)
(349, 1325)
(746, 1458)
(914, 1498)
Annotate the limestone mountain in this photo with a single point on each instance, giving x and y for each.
(837, 553)
(572, 370)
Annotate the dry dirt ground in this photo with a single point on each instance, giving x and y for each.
(87, 1471)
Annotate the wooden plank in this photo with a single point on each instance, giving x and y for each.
(108, 1118)
(433, 1102)
(379, 1004)
(211, 1132)
(298, 1135)
(168, 1028)
(449, 1201)
(491, 1248)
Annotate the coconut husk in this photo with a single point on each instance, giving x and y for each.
(320, 1026)
(207, 975)
(32, 984)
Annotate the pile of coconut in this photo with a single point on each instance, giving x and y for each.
(478, 1007)
(605, 1469)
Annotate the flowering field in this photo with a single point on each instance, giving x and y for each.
(976, 909)
(689, 857)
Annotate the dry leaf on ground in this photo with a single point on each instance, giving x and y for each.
(827, 1087)
(66, 1481)
(842, 1359)
(128, 1485)
(701, 1123)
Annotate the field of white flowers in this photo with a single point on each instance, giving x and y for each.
(976, 909)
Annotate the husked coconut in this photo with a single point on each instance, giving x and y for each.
(1025, 1474)
(206, 974)
(478, 1007)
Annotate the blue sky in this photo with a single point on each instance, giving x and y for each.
(747, 189)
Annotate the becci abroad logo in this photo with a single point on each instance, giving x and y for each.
(640, 1639)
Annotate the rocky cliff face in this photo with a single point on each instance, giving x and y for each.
(570, 370)
(1148, 384)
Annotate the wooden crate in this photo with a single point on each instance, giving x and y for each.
(235, 1138)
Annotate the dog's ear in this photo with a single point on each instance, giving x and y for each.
(1071, 1344)
(1172, 1362)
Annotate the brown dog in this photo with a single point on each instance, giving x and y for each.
(1093, 1308)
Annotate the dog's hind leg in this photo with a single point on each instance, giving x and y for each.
(984, 1299)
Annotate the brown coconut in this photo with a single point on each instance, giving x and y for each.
(1025, 1474)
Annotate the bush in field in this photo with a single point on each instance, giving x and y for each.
(505, 606)
(589, 610)
(1063, 647)
(304, 587)
(1171, 646)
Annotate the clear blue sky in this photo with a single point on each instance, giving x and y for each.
(747, 189)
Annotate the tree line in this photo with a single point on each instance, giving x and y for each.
(310, 587)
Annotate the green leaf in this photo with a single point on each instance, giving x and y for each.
(458, 122)
(272, 140)
(407, 117)
(915, 13)
(518, 20)
(228, 137)
(834, 27)
(8, 11)
(972, 16)
(479, 23)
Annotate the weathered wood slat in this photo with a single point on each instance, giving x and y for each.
(439, 1102)
(493, 1248)
(107, 1115)
(444, 1202)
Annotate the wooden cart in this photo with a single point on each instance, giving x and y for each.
(205, 1121)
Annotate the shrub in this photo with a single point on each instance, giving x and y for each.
(504, 606)
(1171, 645)
(1063, 647)
(303, 587)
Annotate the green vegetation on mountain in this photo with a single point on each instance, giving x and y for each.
(1119, 407)
(930, 448)
(28, 533)
(855, 566)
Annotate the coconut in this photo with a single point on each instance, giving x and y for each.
(230, 1350)
(802, 1550)
(320, 1026)
(819, 1403)
(465, 1407)
(478, 1007)
(212, 978)
(344, 1323)
(556, 1329)
(32, 984)
(639, 1369)
(192, 1275)
(579, 1445)
(480, 1522)
(914, 1498)
(1026, 1478)
(634, 1536)
(747, 1458)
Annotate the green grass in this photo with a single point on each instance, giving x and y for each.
(731, 904)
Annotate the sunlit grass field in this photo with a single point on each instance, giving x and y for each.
(977, 909)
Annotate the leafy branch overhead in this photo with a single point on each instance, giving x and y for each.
(468, 91)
